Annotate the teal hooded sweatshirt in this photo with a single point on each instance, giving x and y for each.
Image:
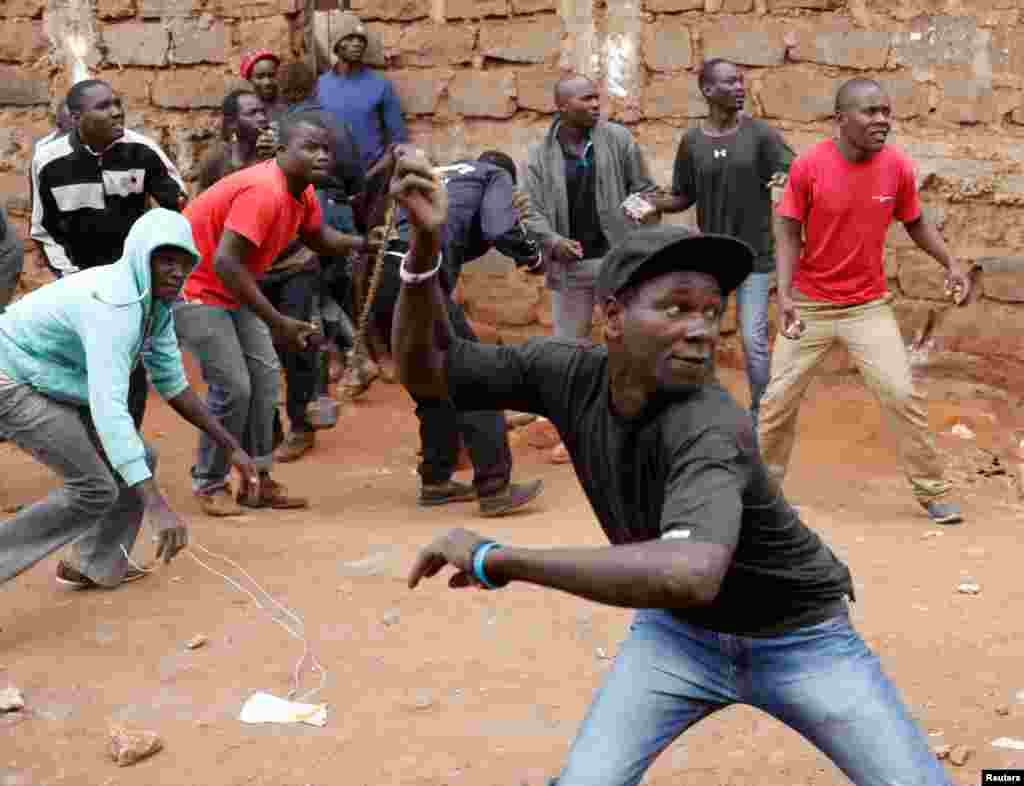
(78, 339)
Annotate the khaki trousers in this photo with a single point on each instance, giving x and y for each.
(872, 337)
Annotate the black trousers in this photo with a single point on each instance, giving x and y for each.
(484, 433)
(294, 295)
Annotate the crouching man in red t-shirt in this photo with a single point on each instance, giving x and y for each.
(830, 233)
(240, 225)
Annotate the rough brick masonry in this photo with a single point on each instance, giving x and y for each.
(475, 74)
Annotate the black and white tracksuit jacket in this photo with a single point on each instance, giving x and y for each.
(84, 203)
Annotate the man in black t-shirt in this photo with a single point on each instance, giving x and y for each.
(739, 601)
(727, 168)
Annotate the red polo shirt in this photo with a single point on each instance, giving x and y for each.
(846, 209)
(255, 203)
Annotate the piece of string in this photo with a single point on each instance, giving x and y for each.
(298, 631)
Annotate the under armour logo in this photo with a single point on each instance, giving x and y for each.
(721, 153)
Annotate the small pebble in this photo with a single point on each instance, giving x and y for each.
(11, 699)
(960, 754)
(196, 641)
(391, 617)
(968, 588)
(1003, 709)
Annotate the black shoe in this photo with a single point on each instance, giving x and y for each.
(511, 498)
(945, 513)
(432, 495)
(69, 577)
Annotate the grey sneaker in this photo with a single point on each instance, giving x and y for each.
(511, 498)
(432, 495)
(943, 512)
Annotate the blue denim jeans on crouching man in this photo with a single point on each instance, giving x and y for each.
(822, 681)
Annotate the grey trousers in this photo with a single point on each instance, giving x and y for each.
(94, 510)
(239, 363)
(572, 304)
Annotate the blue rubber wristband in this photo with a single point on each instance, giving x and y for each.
(478, 564)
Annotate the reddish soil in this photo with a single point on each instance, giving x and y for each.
(441, 687)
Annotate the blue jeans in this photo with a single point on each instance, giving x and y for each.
(240, 365)
(752, 310)
(822, 681)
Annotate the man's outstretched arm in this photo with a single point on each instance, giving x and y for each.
(420, 329)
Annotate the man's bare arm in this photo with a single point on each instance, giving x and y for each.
(958, 279)
(789, 244)
(420, 327)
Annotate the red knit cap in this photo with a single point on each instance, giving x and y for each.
(250, 60)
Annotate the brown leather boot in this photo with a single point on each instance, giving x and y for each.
(220, 504)
(273, 495)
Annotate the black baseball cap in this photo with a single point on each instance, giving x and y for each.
(650, 251)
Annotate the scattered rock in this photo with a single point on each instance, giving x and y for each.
(128, 746)
(603, 654)
(1003, 709)
(420, 701)
(932, 533)
(196, 641)
(962, 430)
(942, 751)
(391, 617)
(177, 579)
(960, 754)
(968, 588)
(559, 455)
(1008, 743)
(542, 434)
(11, 700)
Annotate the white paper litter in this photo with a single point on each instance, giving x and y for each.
(962, 430)
(266, 708)
(1009, 743)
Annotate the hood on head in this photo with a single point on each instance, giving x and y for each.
(157, 227)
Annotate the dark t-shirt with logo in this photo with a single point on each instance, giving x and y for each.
(686, 468)
(728, 178)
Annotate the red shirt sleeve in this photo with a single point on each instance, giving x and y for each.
(796, 199)
(253, 214)
(908, 202)
(314, 216)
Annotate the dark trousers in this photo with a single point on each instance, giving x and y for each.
(138, 390)
(484, 433)
(294, 296)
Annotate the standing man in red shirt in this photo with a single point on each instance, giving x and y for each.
(240, 225)
(830, 234)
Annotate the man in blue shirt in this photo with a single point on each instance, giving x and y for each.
(360, 97)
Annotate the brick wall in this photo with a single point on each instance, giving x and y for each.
(475, 74)
(172, 61)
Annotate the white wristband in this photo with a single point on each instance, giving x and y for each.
(417, 278)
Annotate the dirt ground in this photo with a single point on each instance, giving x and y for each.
(440, 687)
